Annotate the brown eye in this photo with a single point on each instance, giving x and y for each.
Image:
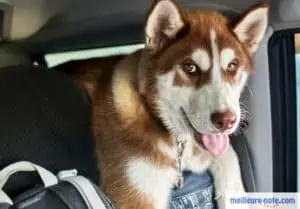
(232, 66)
(189, 67)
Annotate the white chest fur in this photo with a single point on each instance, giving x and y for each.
(194, 159)
(150, 180)
(156, 182)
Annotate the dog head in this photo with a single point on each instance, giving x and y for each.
(201, 62)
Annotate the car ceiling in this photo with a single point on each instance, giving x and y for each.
(58, 25)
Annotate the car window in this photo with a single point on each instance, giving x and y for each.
(297, 62)
(54, 59)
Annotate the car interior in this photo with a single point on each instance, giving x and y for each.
(45, 117)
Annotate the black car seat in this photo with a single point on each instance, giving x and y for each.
(44, 118)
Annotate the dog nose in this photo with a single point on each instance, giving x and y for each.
(223, 120)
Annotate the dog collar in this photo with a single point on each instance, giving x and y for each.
(180, 142)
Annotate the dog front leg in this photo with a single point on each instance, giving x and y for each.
(227, 177)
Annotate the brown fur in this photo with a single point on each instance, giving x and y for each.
(125, 119)
(198, 36)
(120, 132)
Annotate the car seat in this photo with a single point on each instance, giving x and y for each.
(45, 119)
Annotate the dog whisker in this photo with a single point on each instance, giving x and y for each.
(249, 90)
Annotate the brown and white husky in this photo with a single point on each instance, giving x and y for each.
(185, 84)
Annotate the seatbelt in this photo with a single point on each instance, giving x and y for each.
(240, 145)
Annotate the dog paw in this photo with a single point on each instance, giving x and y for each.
(227, 178)
(227, 190)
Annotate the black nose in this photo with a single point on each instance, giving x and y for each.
(223, 120)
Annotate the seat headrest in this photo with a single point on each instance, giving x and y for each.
(44, 118)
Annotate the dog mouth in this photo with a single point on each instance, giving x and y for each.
(215, 143)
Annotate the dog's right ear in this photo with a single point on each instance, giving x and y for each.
(164, 21)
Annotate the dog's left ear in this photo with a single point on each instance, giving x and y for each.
(252, 26)
(164, 21)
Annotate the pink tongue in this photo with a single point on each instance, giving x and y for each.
(216, 144)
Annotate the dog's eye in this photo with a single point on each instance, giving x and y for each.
(189, 67)
(232, 66)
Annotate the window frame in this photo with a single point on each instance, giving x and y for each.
(283, 90)
(95, 52)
